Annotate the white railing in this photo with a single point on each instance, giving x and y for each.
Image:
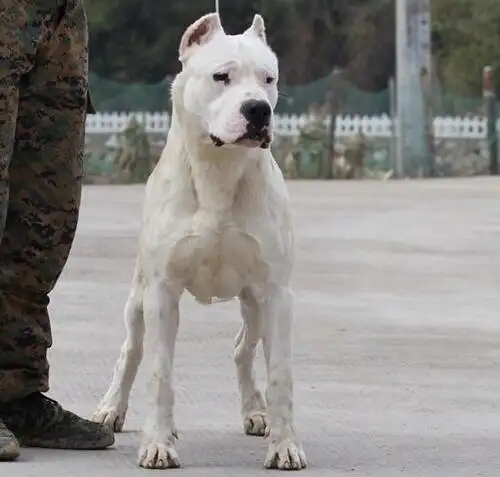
(371, 126)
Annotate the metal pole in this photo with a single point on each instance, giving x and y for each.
(412, 59)
(401, 69)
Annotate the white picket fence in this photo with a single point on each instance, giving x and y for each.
(371, 126)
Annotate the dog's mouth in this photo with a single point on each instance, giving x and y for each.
(250, 139)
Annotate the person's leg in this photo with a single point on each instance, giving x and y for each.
(45, 173)
(45, 183)
(14, 64)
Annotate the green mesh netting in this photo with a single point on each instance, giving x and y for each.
(113, 96)
(450, 105)
(299, 99)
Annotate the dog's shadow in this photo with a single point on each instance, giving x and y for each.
(200, 450)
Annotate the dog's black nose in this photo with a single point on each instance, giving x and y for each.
(258, 113)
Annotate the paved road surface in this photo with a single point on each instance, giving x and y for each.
(397, 337)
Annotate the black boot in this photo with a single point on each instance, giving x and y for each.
(9, 447)
(38, 421)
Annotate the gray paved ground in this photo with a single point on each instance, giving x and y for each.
(397, 337)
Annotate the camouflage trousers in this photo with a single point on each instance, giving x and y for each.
(43, 101)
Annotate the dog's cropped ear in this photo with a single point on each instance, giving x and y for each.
(199, 33)
(257, 28)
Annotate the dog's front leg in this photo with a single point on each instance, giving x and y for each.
(161, 312)
(285, 449)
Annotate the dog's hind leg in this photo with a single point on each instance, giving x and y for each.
(252, 403)
(113, 406)
(161, 312)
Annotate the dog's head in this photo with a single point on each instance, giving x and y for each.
(228, 85)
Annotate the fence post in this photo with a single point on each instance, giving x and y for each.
(491, 118)
(334, 103)
(426, 85)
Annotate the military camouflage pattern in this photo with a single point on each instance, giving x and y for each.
(9, 447)
(43, 100)
(38, 421)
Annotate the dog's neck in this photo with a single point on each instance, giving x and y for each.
(216, 172)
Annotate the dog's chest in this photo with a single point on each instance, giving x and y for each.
(218, 264)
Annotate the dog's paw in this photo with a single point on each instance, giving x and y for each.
(285, 454)
(254, 415)
(111, 417)
(158, 456)
(255, 423)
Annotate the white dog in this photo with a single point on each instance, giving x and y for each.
(216, 223)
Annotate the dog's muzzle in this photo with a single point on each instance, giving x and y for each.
(258, 115)
(263, 138)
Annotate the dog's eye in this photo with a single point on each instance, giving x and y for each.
(269, 79)
(221, 78)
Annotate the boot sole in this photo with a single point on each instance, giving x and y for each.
(102, 444)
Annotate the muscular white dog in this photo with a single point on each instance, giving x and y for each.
(217, 223)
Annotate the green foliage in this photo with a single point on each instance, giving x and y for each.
(134, 157)
(467, 38)
(98, 166)
(136, 41)
(133, 49)
(312, 151)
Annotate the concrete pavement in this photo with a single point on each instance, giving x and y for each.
(397, 337)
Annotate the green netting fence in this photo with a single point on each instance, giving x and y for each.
(111, 96)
